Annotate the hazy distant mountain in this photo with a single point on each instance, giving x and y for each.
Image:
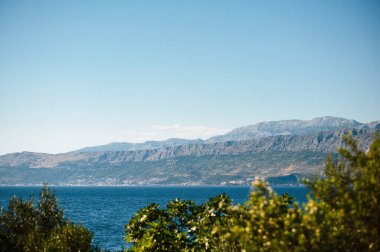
(267, 149)
(289, 127)
(263, 129)
(140, 146)
(374, 125)
(323, 142)
(207, 163)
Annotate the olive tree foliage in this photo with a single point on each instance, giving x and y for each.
(183, 225)
(342, 213)
(24, 227)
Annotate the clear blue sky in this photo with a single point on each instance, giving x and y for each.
(79, 73)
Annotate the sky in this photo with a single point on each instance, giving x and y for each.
(84, 73)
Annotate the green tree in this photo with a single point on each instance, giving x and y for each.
(18, 226)
(342, 214)
(24, 227)
(346, 204)
(182, 226)
(50, 216)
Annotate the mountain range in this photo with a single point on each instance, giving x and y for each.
(287, 149)
(255, 131)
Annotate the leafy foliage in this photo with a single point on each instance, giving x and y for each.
(183, 225)
(24, 227)
(342, 214)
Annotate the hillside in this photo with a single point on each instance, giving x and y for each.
(140, 146)
(292, 127)
(229, 162)
(255, 131)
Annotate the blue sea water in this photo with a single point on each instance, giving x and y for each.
(105, 210)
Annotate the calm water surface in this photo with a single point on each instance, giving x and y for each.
(105, 210)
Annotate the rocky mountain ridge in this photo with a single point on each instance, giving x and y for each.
(285, 149)
(124, 146)
(293, 127)
(255, 131)
(324, 142)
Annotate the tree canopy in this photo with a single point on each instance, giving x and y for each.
(24, 227)
(342, 213)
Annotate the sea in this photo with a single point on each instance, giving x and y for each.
(106, 210)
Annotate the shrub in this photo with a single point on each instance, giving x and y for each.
(342, 214)
(24, 227)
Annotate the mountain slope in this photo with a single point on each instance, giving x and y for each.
(182, 170)
(263, 129)
(124, 146)
(322, 142)
(289, 127)
(192, 162)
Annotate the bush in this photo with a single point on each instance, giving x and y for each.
(342, 214)
(24, 227)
